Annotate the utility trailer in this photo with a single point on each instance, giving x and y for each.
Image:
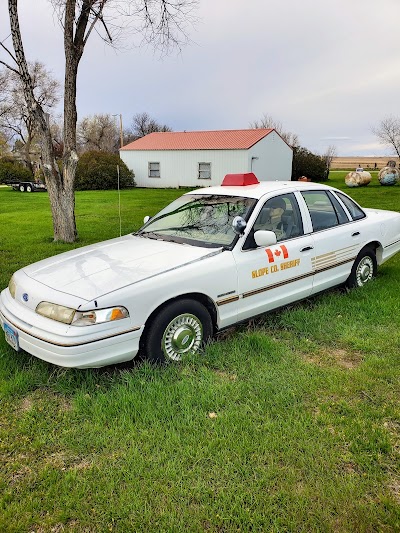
(27, 186)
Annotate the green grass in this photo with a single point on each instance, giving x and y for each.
(305, 435)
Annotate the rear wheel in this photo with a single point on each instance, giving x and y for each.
(364, 268)
(22, 188)
(28, 188)
(180, 328)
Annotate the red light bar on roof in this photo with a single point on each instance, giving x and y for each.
(240, 180)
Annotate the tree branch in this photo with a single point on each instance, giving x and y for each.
(98, 16)
(8, 66)
(8, 51)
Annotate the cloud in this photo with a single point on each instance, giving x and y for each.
(335, 138)
(326, 70)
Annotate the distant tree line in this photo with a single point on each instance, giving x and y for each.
(102, 132)
(18, 131)
(98, 136)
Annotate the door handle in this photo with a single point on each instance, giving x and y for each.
(355, 234)
(307, 249)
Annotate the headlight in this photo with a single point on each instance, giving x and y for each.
(12, 287)
(66, 315)
(99, 316)
(56, 312)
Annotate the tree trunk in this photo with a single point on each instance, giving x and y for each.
(60, 186)
(62, 203)
(27, 150)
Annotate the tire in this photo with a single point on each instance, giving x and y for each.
(22, 188)
(28, 188)
(364, 269)
(182, 327)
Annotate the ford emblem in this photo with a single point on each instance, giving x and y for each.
(25, 297)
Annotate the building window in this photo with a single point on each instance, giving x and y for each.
(154, 170)
(204, 171)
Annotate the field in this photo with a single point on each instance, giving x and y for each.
(351, 163)
(287, 423)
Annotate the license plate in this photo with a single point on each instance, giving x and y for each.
(11, 336)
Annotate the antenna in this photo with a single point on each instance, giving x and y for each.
(119, 204)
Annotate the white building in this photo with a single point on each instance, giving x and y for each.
(202, 158)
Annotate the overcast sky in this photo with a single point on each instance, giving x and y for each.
(327, 70)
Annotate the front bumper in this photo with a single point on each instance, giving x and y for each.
(77, 350)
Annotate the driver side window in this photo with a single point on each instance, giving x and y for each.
(281, 215)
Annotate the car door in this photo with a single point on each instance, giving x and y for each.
(269, 277)
(337, 239)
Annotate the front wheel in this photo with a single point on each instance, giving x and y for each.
(28, 188)
(180, 328)
(364, 269)
(22, 188)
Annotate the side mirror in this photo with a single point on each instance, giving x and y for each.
(146, 219)
(264, 238)
(239, 225)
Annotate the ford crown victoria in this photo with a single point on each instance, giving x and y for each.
(212, 258)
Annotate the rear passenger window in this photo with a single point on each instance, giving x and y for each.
(340, 212)
(322, 212)
(356, 212)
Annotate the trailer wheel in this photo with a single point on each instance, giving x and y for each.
(22, 188)
(29, 188)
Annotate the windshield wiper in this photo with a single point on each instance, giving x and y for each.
(157, 237)
(180, 228)
(150, 235)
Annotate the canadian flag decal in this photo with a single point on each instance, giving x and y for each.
(280, 253)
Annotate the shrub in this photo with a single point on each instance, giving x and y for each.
(98, 170)
(308, 164)
(11, 171)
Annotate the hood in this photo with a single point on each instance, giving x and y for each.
(95, 270)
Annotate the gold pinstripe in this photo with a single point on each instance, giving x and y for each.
(228, 300)
(321, 263)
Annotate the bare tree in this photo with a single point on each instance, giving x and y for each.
(98, 132)
(160, 22)
(388, 133)
(143, 124)
(14, 115)
(3, 91)
(267, 122)
(3, 109)
(4, 147)
(328, 156)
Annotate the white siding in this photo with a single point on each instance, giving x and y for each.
(179, 168)
(274, 159)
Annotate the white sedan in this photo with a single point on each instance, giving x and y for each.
(212, 258)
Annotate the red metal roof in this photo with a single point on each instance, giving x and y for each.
(199, 140)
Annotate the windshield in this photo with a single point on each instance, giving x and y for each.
(202, 220)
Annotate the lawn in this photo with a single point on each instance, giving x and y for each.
(287, 423)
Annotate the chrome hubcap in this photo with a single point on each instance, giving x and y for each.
(182, 335)
(365, 270)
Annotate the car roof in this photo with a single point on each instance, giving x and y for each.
(260, 189)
